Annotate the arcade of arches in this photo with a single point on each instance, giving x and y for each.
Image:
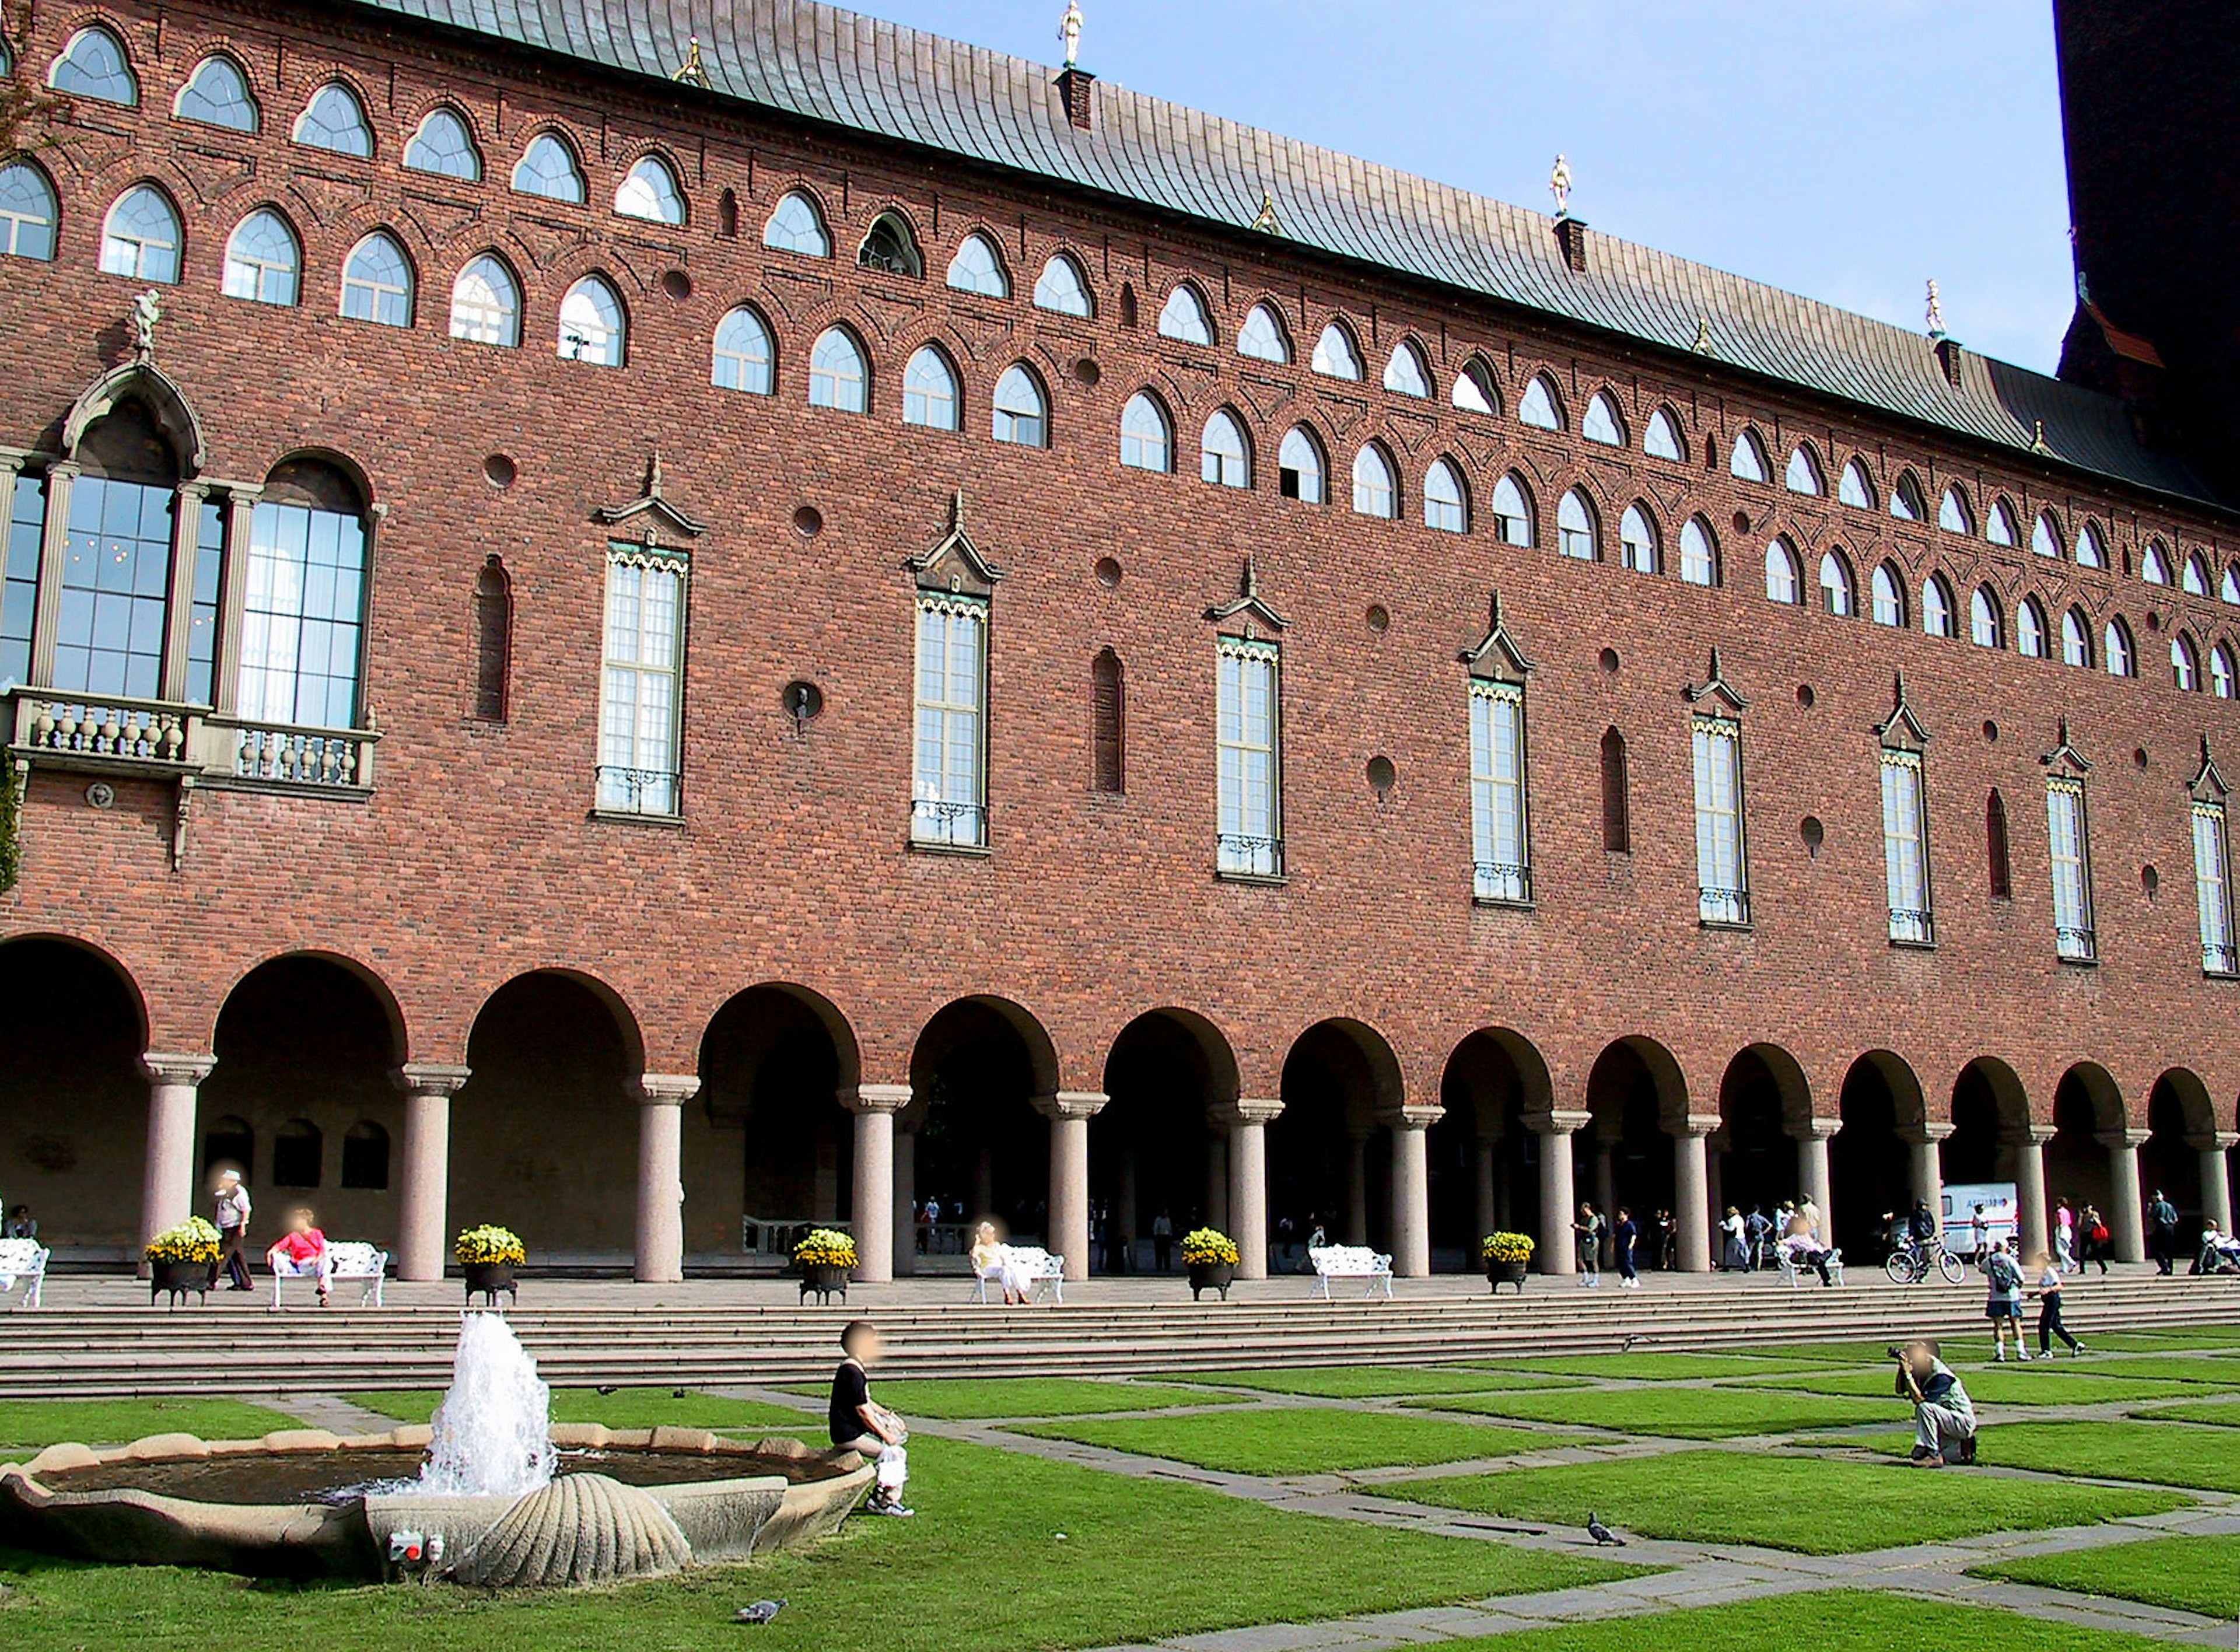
(548, 1122)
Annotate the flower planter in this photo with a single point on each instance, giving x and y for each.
(1498, 1274)
(178, 1278)
(487, 1279)
(823, 1282)
(1212, 1276)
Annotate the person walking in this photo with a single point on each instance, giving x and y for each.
(2064, 1237)
(1979, 1235)
(2093, 1228)
(1668, 1242)
(1162, 1240)
(1756, 1227)
(2049, 1308)
(2162, 1242)
(2003, 1306)
(1587, 1242)
(233, 1216)
(1625, 1236)
(1734, 1250)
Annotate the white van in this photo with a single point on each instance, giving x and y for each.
(2002, 1215)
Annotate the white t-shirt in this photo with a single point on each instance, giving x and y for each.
(233, 1207)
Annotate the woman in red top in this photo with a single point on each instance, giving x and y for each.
(301, 1251)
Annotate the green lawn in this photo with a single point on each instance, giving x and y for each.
(1684, 1414)
(1811, 1505)
(1656, 1367)
(1835, 1618)
(961, 1400)
(1073, 1558)
(2185, 1573)
(2166, 1454)
(2223, 1413)
(27, 1425)
(626, 1409)
(1301, 1440)
(2004, 1385)
(1371, 1381)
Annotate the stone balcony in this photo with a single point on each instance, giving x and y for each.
(115, 735)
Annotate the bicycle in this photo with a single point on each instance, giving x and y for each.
(1910, 1263)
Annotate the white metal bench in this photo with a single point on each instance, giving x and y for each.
(24, 1260)
(362, 1264)
(1350, 1261)
(1791, 1274)
(1037, 1267)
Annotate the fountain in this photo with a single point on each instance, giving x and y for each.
(493, 1493)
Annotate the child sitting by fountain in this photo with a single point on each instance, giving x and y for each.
(300, 1251)
(860, 1423)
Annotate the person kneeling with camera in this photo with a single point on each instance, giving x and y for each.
(1943, 1418)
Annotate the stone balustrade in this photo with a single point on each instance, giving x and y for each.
(116, 734)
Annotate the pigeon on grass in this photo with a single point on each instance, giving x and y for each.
(760, 1612)
(1603, 1536)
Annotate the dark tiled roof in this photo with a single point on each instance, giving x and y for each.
(823, 64)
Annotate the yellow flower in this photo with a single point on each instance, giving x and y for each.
(826, 1248)
(1209, 1247)
(1506, 1247)
(488, 1246)
(193, 1239)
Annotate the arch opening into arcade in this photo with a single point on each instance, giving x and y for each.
(1765, 1110)
(1485, 1156)
(768, 1147)
(1993, 1144)
(982, 1147)
(1331, 1153)
(2178, 1158)
(1643, 1154)
(1877, 1167)
(1157, 1149)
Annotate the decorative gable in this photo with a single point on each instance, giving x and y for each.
(2207, 785)
(1902, 731)
(1236, 616)
(656, 510)
(1716, 687)
(1497, 658)
(2065, 759)
(955, 564)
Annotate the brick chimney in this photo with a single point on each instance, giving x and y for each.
(1571, 236)
(1077, 87)
(1949, 354)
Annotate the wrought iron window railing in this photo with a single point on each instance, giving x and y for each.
(1723, 906)
(954, 825)
(1498, 881)
(1248, 857)
(2074, 944)
(637, 791)
(2220, 959)
(1916, 926)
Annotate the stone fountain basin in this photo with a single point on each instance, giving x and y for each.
(753, 1498)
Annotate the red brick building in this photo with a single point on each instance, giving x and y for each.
(653, 633)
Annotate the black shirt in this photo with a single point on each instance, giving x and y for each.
(851, 1391)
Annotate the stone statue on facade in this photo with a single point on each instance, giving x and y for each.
(1069, 30)
(147, 310)
(1935, 313)
(1559, 185)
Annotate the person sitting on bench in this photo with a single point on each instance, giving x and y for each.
(301, 1253)
(1943, 1418)
(860, 1424)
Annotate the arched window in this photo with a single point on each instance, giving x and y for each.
(1661, 440)
(1512, 511)
(1803, 474)
(1064, 289)
(28, 212)
(1952, 513)
(2154, 566)
(297, 1149)
(2185, 664)
(1837, 594)
(114, 616)
(2221, 676)
(797, 225)
(305, 586)
(1147, 440)
(548, 168)
(2091, 549)
(1783, 583)
(1748, 459)
(2029, 629)
(1935, 607)
(1540, 407)
(1406, 374)
(1999, 525)
(1299, 466)
(1617, 822)
(1905, 501)
(2075, 639)
(1446, 502)
(1184, 316)
(1600, 422)
(218, 94)
(929, 391)
(838, 376)
(493, 640)
(141, 238)
(378, 282)
(1225, 457)
(1262, 338)
(1375, 491)
(650, 191)
(229, 1144)
(2227, 591)
(1986, 625)
(1886, 590)
(1475, 391)
(1335, 355)
(2195, 580)
(334, 120)
(94, 65)
(263, 263)
(1575, 527)
(365, 1156)
(2122, 660)
(1107, 722)
(746, 358)
(1699, 553)
(1998, 863)
(444, 147)
(1637, 540)
(891, 245)
(1856, 489)
(486, 303)
(1021, 412)
(2045, 535)
(978, 267)
(592, 324)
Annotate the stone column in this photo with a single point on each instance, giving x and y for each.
(2127, 1226)
(167, 1187)
(1812, 1170)
(905, 1204)
(1555, 1130)
(1357, 1187)
(1489, 1206)
(1411, 1191)
(661, 1098)
(1928, 1147)
(423, 1199)
(871, 1202)
(1248, 1119)
(2216, 1176)
(1715, 1188)
(1069, 1112)
(1692, 1191)
(1216, 1178)
(2033, 1221)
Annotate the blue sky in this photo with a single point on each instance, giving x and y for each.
(1847, 149)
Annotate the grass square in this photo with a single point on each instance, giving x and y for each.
(1811, 1505)
(1683, 1414)
(639, 1408)
(2163, 1453)
(1375, 1381)
(1301, 1440)
(28, 1426)
(2184, 1574)
(2049, 1384)
(1656, 1367)
(965, 1400)
(2219, 1413)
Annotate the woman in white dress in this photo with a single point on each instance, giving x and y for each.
(992, 1260)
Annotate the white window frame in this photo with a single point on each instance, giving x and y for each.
(949, 733)
(1248, 793)
(1501, 844)
(2068, 849)
(2212, 880)
(1722, 847)
(1905, 850)
(642, 688)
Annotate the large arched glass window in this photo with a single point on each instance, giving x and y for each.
(548, 168)
(1263, 337)
(1602, 424)
(2195, 580)
(1512, 511)
(1986, 625)
(2116, 641)
(1446, 502)
(2185, 664)
(2075, 639)
(746, 357)
(2045, 535)
(1782, 582)
(1952, 513)
(1375, 491)
(2091, 549)
(1999, 525)
(1887, 592)
(1064, 289)
(1475, 391)
(1184, 316)
(1540, 407)
(1661, 440)
(94, 65)
(1935, 607)
(1147, 439)
(334, 120)
(1856, 489)
(1299, 466)
(1406, 374)
(1803, 474)
(218, 94)
(1637, 540)
(112, 624)
(2153, 565)
(2221, 680)
(839, 377)
(304, 613)
(797, 225)
(1748, 459)
(378, 282)
(444, 147)
(28, 212)
(1699, 553)
(1837, 594)
(1575, 527)
(263, 263)
(930, 392)
(1021, 412)
(892, 246)
(1905, 501)
(2029, 629)
(486, 303)
(978, 267)
(650, 191)
(1225, 456)
(141, 238)
(1336, 354)
(591, 327)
